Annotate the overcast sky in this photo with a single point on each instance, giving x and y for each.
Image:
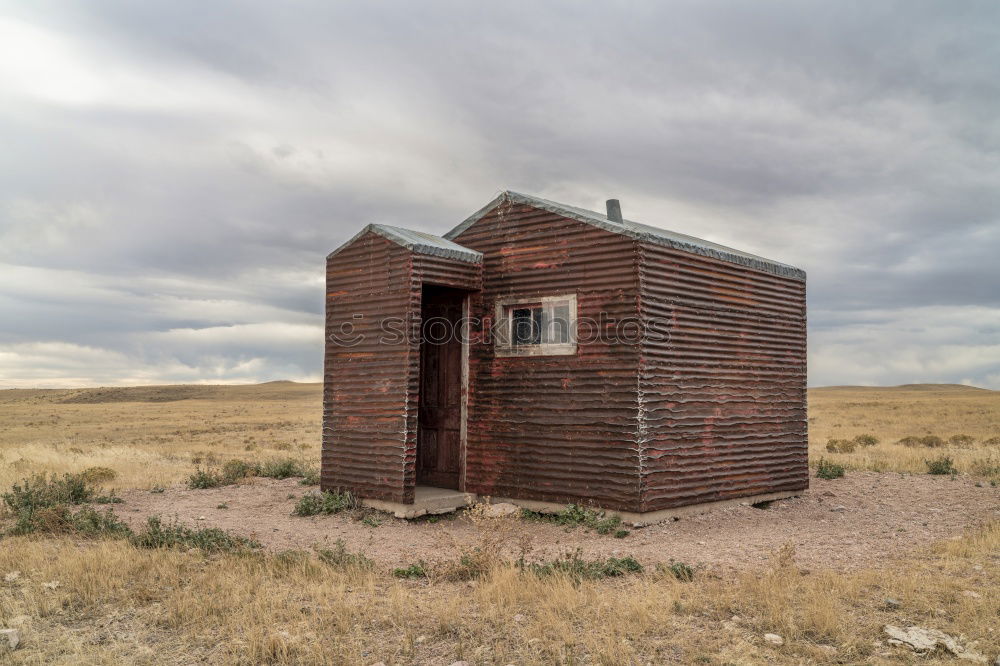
(173, 174)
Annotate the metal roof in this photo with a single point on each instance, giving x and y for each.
(418, 241)
(639, 231)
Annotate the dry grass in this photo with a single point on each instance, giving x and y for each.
(118, 604)
(154, 436)
(890, 414)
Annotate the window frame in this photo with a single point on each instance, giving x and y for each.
(503, 342)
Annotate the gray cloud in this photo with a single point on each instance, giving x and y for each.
(174, 173)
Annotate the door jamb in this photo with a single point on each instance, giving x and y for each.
(464, 413)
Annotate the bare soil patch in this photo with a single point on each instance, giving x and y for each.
(848, 523)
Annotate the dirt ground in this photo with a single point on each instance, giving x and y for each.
(847, 523)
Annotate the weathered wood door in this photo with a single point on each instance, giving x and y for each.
(440, 415)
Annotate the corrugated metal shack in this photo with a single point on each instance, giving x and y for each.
(546, 354)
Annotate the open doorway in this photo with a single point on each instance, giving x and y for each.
(439, 421)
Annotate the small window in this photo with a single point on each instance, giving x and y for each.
(542, 327)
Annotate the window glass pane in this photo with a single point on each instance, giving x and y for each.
(526, 328)
(558, 327)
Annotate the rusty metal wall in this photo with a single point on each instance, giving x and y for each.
(442, 272)
(370, 389)
(554, 428)
(715, 411)
(367, 387)
(723, 399)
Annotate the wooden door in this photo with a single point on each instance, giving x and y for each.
(440, 415)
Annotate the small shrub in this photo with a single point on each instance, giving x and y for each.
(222, 506)
(171, 535)
(577, 568)
(992, 441)
(60, 519)
(962, 441)
(574, 515)
(203, 479)
(91, 523)
(234, 470)
(371, 520)
(866, 440)
(941, 466)
(413, 571)
(985, 467)
(471, 565)
(326, 502)
(282, 468)
(621, 534)
(40, 490)
(43, 505)
(840, 446)
(829, 470)
(40, 503)
(339, 557)
(928, 441)
(311, 477)
(110, 498)
(97, 475)
(681, 571)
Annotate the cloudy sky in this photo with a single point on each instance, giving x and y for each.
(172, 174)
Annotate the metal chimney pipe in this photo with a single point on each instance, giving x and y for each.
(614, 211)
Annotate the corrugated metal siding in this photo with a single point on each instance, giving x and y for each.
(444, 272)
(554, 428)
(723, 401)
(367, 387)
(371, 389)
(717, 411)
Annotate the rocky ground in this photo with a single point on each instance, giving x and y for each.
(846, 523)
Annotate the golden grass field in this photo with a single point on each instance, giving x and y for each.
(891, 414)
(115, 603)
(154, 436)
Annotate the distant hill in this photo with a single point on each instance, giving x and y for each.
(279, 390)
(286, 390)
(955, 388)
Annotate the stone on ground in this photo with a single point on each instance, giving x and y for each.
(10, 638)
(920, 639)
(501, 509)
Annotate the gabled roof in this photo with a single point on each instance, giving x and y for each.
(420, 242)
(639, 231)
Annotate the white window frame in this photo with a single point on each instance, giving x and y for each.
(505, 333)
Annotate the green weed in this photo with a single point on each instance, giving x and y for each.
(413, 571)
(941, 465)
(828, 470)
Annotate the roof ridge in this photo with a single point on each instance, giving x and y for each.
(421, 242)
(638, 231)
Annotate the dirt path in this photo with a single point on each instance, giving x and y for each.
(847, 523)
